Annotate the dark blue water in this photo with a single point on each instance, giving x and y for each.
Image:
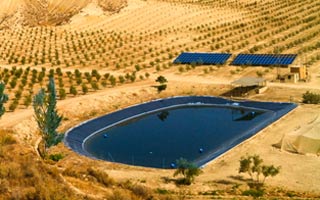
(159, 139)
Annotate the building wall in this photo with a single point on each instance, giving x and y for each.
(302, 71)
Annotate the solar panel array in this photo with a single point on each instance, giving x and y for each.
(202, 58)
(264, 59)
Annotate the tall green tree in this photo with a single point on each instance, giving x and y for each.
(3, 99)
(47, 117)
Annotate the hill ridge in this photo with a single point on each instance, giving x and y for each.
(17, 13)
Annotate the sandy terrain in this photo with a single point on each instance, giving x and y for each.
(16, 13)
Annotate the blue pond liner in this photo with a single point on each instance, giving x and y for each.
(77, 136)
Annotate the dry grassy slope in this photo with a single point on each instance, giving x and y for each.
(47, 12)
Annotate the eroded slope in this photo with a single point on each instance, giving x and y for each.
(15, 13)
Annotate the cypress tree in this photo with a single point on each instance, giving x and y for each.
(47, 117)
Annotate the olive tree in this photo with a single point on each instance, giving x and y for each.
(188, 170)
(162, 81)
(253, 165)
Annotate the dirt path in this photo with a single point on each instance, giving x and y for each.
(295, 86)
(11, 119)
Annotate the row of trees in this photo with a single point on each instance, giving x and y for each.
(249, 164)
(21, 82)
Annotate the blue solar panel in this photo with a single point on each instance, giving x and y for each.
(202, 58)
(264, 59)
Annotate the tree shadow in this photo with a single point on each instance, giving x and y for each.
(163, 115)
(224, 182)
(160, 88)
(240, 178)
(166, 179)
(177, 182)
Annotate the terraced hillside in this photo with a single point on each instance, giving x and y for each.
(147, 35)
(15, 13)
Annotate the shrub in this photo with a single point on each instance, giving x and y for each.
(138, 190)
(13, 105)
(95, 85)
(56, 157)
(311, 98)
(141, 191)
(106, 76)
(101, 177)
(41, 76)
(18, 94)
(112, 80)
(78, 81)
(118, 195)
(84, 88)
(77, 73)
(73, 90)
(51, 73)
(59, 71)
(133, 77)
(6, 139)
(121, 79)
(94, 73)
(138, 68)
(188, 170)
(62, 93)
(253, 192)
(13, 83)
(260, 73)
(162, 191)
(253, 165)
(27, 101)
(104, 83)
(161, 80)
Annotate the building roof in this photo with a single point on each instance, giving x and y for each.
(248, 81)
